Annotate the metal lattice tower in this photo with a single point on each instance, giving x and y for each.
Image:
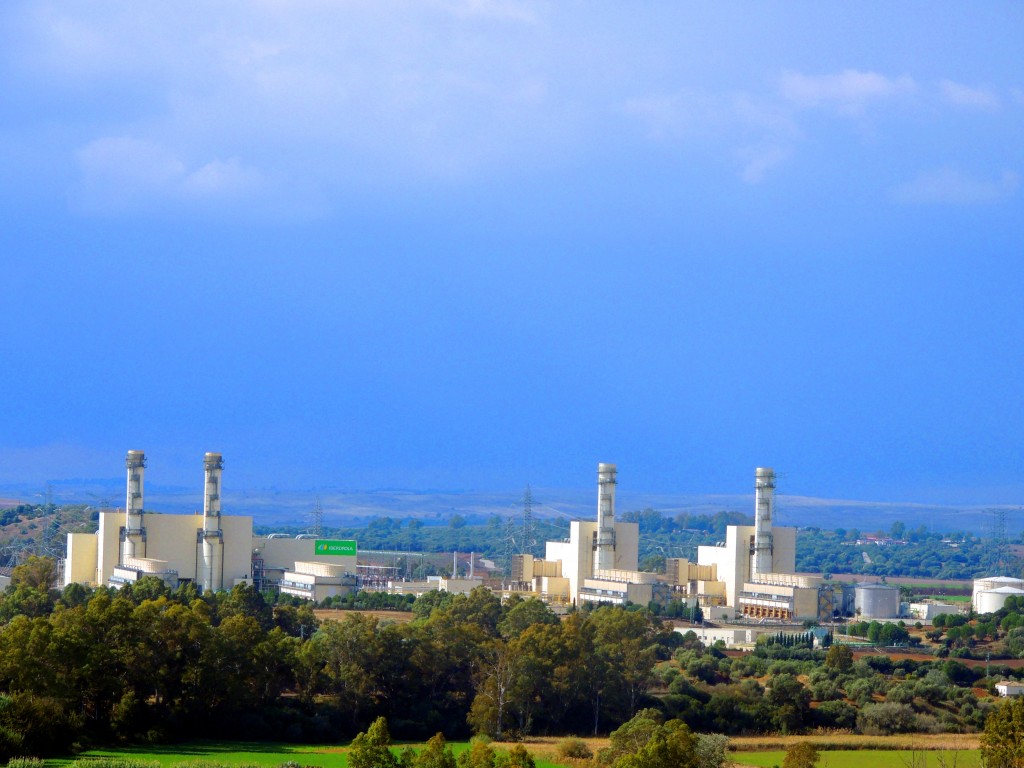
(317, 518)
(529, 525)
(999, 543)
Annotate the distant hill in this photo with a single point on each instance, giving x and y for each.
(293, 508)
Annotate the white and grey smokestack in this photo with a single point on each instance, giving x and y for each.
(211, 564)
(134, 544)
(604, 559)
(764, 507)
(213, 464)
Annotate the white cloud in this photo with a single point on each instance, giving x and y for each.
(129, 163)
(960, 95)
(764, 132)
(221, 178)
(848, 92)
(757, 161)
(949, 186)
(124, 173)
(671, 116)
(321, 94)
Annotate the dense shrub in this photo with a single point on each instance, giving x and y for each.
(835, 714)
(885, 719)
(575, 749)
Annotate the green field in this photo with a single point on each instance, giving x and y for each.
(272, 755)
(948, 598)
(269, 755)
(226, 753)
(870, 758)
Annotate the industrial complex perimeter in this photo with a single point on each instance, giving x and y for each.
(748, 581)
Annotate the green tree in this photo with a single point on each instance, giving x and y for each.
(517, 757)
(346, 655)
(802, 755)
(625, 653)
(711, 750)
(479, 755)
(839, 658)
(790, 700)
(523, 615)
(435, 754)
(36, 572)
(371, 749)
(671, 745)
(497, 674)
(1002, 743)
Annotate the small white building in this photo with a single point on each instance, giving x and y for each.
(1010, 688)
(434, 584)
(317, 581)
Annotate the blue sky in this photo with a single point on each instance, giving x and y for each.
(471, 244)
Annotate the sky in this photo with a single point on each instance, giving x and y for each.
(463, 244)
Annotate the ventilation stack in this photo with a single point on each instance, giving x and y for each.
(133, 536)
(605, 555)
(211, 538)
(764, 503)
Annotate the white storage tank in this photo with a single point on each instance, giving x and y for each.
(876, 601)
(991, 583)
(992, 600)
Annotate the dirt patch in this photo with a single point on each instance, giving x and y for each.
(336, 614)
(954, 585)
(898, 655)
(856, 741)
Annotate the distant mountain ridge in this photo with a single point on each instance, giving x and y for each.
(293, 508)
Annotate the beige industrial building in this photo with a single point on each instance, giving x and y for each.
(752, 574)
(212, 550)
(596, 563)
(757, 565)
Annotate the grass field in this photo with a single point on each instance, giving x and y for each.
(948, 598)
(871, 758)
(763, 752)
(269, 755)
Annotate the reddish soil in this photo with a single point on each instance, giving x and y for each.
(897, 655)
(334, 614)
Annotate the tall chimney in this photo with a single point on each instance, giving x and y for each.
(764, 503)
(213, 463)
(133, 543)
(211, 538)
(604, 559)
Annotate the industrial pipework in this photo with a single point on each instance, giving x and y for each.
(211, 538)
(764, 503)
(133, 536)
(605, 555)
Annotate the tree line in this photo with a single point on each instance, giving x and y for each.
(93, 666)
(98, 665)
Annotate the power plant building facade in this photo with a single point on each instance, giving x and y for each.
(212, 550)
(751, 574)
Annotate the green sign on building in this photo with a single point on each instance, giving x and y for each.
(335, 547)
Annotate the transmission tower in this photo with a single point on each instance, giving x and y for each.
(999, 543)
(317, 518)
(529, 525)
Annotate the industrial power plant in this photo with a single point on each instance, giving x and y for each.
(211, 550)
(750, 577)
